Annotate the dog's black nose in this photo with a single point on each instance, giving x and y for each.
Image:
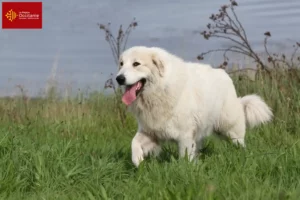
(121, 79)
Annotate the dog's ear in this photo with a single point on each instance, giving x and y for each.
(158, 63)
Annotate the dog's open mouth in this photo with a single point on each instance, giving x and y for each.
(132, 91)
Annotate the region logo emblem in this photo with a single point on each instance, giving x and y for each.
(11, 15)
(21, 15)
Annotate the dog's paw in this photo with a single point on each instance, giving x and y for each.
(137, 160)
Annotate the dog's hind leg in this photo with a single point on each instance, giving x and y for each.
(232, 122)
(237, 133)
(142, 145)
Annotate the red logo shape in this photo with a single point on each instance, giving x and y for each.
(22, 15)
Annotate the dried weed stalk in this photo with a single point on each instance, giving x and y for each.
(117, 45)
(226, 25)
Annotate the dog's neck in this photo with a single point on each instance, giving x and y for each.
(150, 98)
(154, 107)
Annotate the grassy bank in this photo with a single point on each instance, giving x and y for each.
(78, 149)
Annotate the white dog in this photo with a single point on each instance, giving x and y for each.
(182, 101)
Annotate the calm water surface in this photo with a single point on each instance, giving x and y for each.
(71, 40)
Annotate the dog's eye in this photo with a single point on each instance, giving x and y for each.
(136, 64)
(121, 63)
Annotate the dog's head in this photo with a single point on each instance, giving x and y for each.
(139, 69)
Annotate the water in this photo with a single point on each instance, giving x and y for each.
(71, 38)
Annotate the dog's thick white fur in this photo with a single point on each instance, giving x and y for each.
(184, 102)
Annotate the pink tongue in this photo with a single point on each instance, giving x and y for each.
(130, 94)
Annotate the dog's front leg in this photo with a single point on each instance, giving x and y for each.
(141, 145)
(187, 146)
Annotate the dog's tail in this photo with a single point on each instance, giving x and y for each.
(256, 110)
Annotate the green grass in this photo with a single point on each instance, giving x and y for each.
(78, 149)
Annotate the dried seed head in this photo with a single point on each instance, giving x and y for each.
(134, 24)
(213, 17)
(233, 3)
(267, 34)
(101, 26)
(224, 7)
(200, 57)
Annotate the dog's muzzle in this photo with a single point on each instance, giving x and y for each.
(121, 79)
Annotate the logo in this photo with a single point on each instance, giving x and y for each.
(21, 15)
(11, 15)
